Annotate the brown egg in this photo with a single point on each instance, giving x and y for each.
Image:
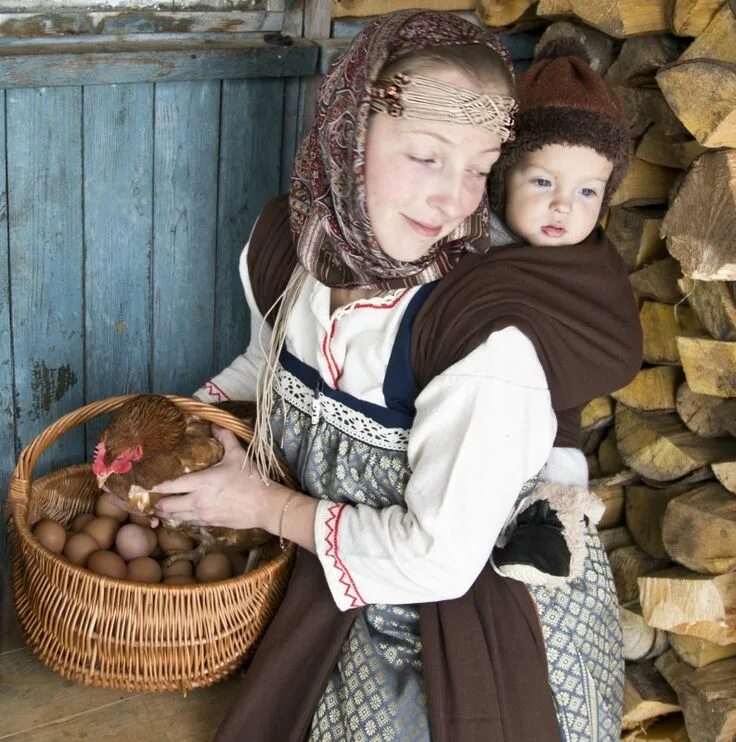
(134, 541)
(144, 569)
(103, 530)
(51, 535)
(140, 519)
(179, 580)
(213, 567)
(107, 563)
(170, 541)
(180, 568)
(80, 521)
(79, 547)
(105, 506)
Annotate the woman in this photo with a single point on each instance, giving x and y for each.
(407, 486)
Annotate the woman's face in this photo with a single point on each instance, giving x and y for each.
(423, 178)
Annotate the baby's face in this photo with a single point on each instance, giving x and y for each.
(554, 194)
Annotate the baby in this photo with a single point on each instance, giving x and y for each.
(550, 188)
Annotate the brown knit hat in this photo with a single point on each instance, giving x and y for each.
(562, 101)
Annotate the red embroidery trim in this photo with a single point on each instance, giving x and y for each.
(214, 391)
(333, 524)
(332, 365)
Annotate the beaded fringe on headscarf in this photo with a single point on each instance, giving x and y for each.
(261, 451)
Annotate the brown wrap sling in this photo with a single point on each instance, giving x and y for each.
(485, 668)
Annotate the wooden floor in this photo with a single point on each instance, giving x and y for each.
(38, 705)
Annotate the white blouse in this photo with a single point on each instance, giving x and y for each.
(482, 428)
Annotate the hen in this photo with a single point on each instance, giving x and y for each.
(150, 440)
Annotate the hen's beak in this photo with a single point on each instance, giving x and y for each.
(102, 478)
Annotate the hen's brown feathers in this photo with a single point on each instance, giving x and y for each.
(149, 420)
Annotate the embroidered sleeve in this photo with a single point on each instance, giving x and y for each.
(482, 428)
(240, 379)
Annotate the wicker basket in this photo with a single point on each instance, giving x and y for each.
(117, 634)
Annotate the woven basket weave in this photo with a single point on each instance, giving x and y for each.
(113, 633)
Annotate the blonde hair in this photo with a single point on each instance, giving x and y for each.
(480, 64)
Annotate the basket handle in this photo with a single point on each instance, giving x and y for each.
(20, 480)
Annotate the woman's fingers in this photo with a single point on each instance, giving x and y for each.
(176, 508)
(187, 483)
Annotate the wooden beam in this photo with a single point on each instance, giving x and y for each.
(88, 62)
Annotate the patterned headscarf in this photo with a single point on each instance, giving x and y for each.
(329, 220)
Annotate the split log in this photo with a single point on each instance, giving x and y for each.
(702, 93)
(688, 151)
(709, 365)
(612, 497)
(707, 696)
(641, 642)
(701, 221)
(702, 474)
(628, 564)
(669, 729)
(690, 17)
(500, 13)
(597, 45)
(645, 508)
(635, 234)
(595, 417)
(646, 695)
(625, 17)
(644, 184)
(659, 149)
(652, 389)
(714, 303)
(685, 602)
(706, 416)
(699, 652)
(661, 325)
(725, 472)
(641, 57)
(660, 112)
(659, 446)
(594, 468)
(615, 538)
(609, 459)
(699, 529)
(658, 281)
(638, 103)
(554, 8)
(717, 39)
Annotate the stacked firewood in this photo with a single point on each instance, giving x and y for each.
(662, 451)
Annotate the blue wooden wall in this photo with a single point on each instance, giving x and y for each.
(123, 210)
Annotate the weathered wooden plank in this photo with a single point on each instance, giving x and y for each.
(184, 242)
(180, 59)
(39, 706)
(250, 152)
(45, 234)
(58, 21)
(7, 408)
(118, 216)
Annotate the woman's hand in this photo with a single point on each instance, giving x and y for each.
(229, 494)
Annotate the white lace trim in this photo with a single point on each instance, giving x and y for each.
(349, 421)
